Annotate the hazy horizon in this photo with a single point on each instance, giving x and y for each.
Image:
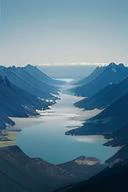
(60, 64)
(63, 31)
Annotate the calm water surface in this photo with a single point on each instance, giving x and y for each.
(45, 137)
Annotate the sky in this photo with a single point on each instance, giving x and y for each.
(63, 31)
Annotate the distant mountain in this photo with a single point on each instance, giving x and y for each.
(16, 102)
(68, 71)
(24, 80)
(23, 90)
(105, 97)
(100, 79)
(95, 73)
(20, 173)
(109, 120)
(41, 76)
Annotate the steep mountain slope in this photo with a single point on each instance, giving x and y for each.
(111, 74)
(36, 73)
(109, 120)
(21, 94)
(22, 79)
(111, 179)
(92, 76)
(5, 121)
(105, 97)
(16, 102)
(100, 100)
(19, 173)
(119, 137)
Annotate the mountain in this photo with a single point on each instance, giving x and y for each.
(22, 94)
(113, 123)
(41, 76)
(22, 103)
(5, 121)
(100, 100)
(20, 173)
(22, 79)
(112, 179)
(95, 73)
(108, 75)
(109, 120)
(119, 137)
(105, 97)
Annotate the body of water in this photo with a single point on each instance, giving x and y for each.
(45, 137)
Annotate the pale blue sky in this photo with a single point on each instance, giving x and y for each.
(63, 31)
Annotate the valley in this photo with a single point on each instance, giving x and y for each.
(62, 136)
(48, 132)
(64, 96)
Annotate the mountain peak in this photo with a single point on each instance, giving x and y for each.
(121, 65)
(112, 64)
(114, 67)
(30, 66)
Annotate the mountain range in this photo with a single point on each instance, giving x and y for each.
(112, 122)
(105, 97)
(23, 91)
(113, 99)
(20, 173)
(26, 79)
(110, 179)
(99, 79)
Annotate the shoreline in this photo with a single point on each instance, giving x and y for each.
(9, 136)
(8, 139)
(26, 122)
